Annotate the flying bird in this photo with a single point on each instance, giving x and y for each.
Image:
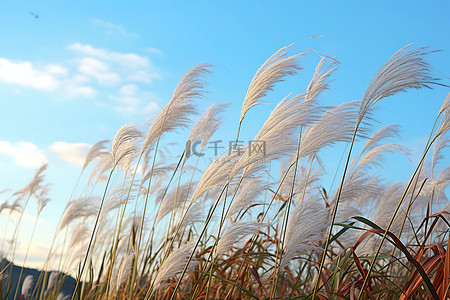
(36, 16)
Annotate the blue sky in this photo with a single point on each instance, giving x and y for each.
(81, 70)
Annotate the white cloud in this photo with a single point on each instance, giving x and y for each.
(112, 28)
(84, 91)
(143, 76)
(26, 75)
(93, 72)
(154, 51)
(132, 101)
(56, 70)
(74, 153)
(98, 70)
(127, 59)
(129, 100)
(54, 77)
(133, 67)
(152, 107)
(24, 153)
(129, 89)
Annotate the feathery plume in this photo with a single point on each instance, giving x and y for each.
(4, 205)
(438, 147)
(387, 201)
(404, 70)
(272, 71)
(278, 136)
(375, 156)
(79, 233)
(61, 296)
(372, 153)
(52, 279)
(5, 191)
(217, 173)
(445, 123)
(359, 190)
(235, 233)
(319, 82)
(171, 266)
(124, 143)
(277, 132)
(15, 206)
(248, 195)
(177, 112)
(79, 208)
(305, 230)
(161, 171)
(105, 162)
(193, 215)
(98, 149)
(358, 187)
(34, 185)
(174, 200)
(27, 287)
(436, 187)
(303, 178)
(116, 197)
(442, 226)
(164, 155)
(42, 198)
(204, 128)
(122, 273)
(334, 125)
(384, 133)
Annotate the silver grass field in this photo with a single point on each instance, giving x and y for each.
(145, 222)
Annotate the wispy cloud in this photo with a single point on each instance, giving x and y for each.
(112, 28)
(83, 91)
(130, 100)
(91, 72)
(24, 153)
(25, 74)
(29, 155)
(51, 77)
(127, 59)
(98, 70)
(74, 153)
(131, 66)
(152, 50)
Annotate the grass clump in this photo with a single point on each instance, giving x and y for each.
(165, 229)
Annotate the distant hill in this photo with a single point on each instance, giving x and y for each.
(8, 294)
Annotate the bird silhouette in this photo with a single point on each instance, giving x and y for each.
(36, 16)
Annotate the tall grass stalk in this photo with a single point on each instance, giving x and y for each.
(333, 214)
(366, 279)
(119, 226)
(212, 256)
(415, 183)
(285, 222)
(93, 233)
(25, 258)
(149, 244)
(208, 219)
